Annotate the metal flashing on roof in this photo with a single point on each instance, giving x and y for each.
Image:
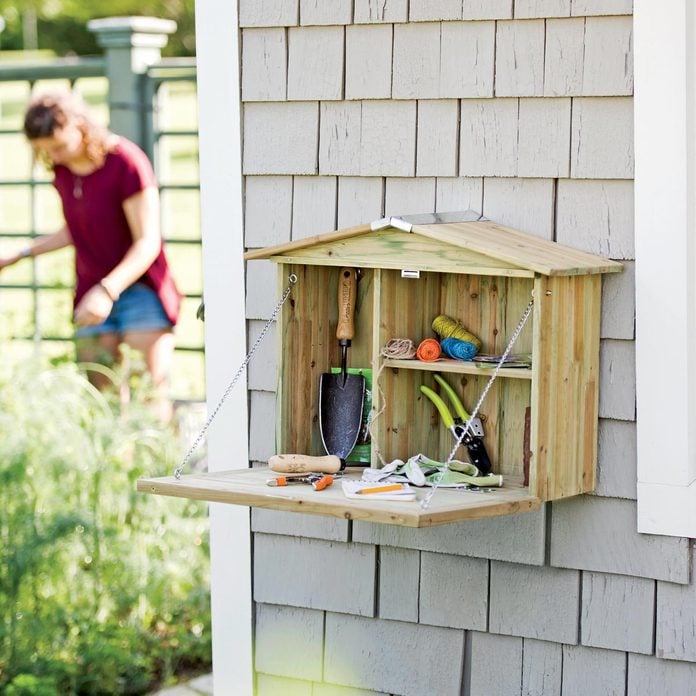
(396, 223)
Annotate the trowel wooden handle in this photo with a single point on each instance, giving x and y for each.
(347, 291)
(304, 463)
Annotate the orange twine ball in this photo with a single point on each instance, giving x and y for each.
(428, 350)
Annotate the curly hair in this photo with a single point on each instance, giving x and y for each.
(53, 111)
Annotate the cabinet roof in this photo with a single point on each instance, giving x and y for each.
(466, 246)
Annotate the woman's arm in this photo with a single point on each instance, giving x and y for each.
(142, 213)
(51, 242)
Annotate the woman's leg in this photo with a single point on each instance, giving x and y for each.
(102, 349)
(157, 347)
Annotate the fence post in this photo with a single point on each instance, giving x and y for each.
(131, 45)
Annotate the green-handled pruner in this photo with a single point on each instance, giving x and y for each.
(464, 429)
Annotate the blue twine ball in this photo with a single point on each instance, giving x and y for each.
(457, 349)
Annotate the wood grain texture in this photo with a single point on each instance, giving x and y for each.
(467, 59)
(602, 138)
(326, 12)
(565, 386)
(523, 250)
(368, 61)
(509, 247)
(416, 64)
(280, 137)
(519, 58)
(378, 11)
(313, 205)
(315, 63)
(397, 250)
(544, 135)
(565, 52)
(437, 138)
(528, 9)
(339, 137)
(248, 487)
(488, 137)
(264, 55)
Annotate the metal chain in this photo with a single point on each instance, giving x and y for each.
(467, 426)
(292, 279)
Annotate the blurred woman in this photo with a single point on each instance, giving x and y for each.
(124, 289)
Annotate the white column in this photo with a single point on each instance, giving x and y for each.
(665, 214)
(225, 334)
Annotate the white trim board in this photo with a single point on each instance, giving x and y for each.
(219, 107)
(663, 507)
(665, 229)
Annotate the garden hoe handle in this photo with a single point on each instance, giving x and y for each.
(304, 463)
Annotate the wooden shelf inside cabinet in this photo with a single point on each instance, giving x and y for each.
(540, 423)
(248, 487)
(458, 366)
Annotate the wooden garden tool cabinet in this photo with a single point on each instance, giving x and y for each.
(540, 422)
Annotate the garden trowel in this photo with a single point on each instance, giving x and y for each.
(341, 394)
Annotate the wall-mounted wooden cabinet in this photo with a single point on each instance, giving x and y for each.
(540, 422)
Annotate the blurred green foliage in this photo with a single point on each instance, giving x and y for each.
(103, 590)
(61, 25)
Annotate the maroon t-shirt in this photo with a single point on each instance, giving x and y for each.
(93, 210)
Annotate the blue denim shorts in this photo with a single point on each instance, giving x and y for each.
(138, 309)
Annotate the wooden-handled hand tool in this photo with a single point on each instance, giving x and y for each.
(342, 395)
(304, 464)
(345, 329)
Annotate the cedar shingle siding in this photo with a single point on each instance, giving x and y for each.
(522, 110)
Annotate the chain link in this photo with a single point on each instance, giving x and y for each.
(178, 471)
(468, 425)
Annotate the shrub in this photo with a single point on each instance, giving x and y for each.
(103, 590)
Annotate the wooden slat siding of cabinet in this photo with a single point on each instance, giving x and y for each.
(566, 369)
(360, 351)
(511, 424)
(510, 430)
(306, 341)
(519, 248)
(376, 439)
(405, 312)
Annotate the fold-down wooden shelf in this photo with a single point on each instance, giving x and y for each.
(248, 487)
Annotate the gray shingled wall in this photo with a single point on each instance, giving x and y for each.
(521, 109)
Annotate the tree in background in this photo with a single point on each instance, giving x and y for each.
(61, 25)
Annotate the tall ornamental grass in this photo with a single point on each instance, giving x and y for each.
(103, 590)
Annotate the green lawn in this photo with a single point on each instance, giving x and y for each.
(23, 212)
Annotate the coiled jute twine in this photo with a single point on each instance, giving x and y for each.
(399, 348)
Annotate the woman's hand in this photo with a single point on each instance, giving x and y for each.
(94, 307)
(6, 261)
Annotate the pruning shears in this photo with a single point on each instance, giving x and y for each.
(464, 429)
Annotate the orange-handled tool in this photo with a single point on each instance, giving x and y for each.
(317, 482)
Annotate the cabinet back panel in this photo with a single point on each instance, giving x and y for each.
(309, 348)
